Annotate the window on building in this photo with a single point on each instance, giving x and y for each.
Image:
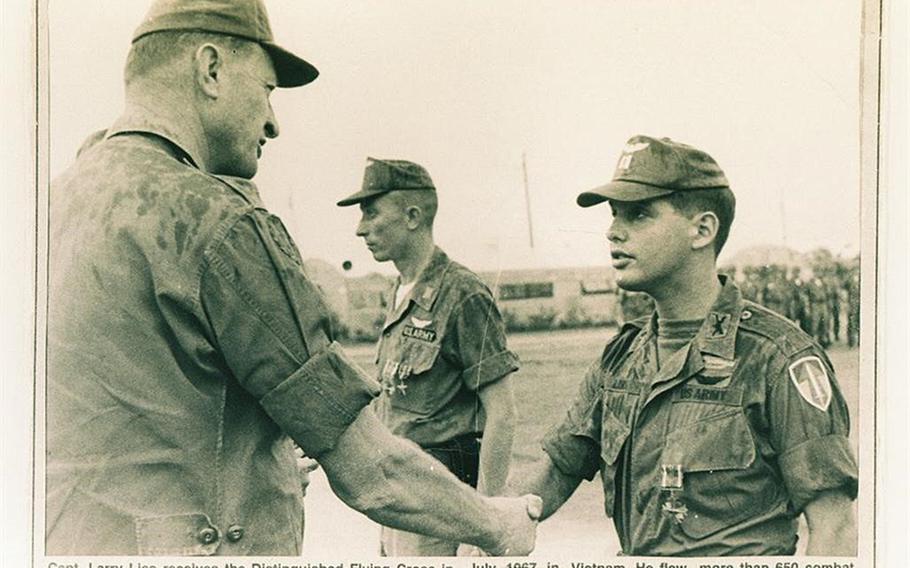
(594, 287)
(526, 290)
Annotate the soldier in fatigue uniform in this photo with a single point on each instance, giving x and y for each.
(835, 287)
(773, 295)
(750, 286)
(187, 350)
(819, 306)
(443, 362)
(801, 306)
(717, 422)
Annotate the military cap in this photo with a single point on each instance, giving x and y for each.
(383, 176)
(649, 168)
(246, 19)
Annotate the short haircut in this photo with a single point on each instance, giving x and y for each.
(719, 201)
(425, 200)
(158, 50)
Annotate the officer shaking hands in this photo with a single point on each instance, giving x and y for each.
(186, 347)
(714, 422)
(443, 362)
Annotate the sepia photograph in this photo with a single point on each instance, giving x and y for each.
(589, 283)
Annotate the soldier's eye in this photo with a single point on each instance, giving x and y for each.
(638, 213)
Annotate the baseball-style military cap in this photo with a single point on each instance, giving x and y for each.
(649, 168)
(246, 19)
(383, 176)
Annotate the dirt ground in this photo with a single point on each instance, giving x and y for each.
(553, 363)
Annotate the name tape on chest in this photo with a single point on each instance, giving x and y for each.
(811, 380)
(421, 334)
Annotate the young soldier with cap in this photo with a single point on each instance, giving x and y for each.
(186, 348)
(443, 362)
(714, 422)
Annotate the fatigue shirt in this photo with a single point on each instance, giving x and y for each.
(441, 345)
(718, 451)
(184, 345)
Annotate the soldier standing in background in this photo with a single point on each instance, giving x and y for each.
(819, 306)
(444, 364)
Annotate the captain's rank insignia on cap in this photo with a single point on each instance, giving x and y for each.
(625, 161)
(811, 380)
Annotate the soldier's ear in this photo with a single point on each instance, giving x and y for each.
(704, 229)
(208, 62)
(413, 216)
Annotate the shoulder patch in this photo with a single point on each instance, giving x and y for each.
(811, 380)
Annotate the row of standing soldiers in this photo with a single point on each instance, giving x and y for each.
(825, 304)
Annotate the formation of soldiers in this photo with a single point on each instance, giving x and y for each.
(824, 302)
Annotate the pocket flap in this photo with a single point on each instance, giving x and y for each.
(717, 443)
(418, 356)
(190, 534)
(612, 437)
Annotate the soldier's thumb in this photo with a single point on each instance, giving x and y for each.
(534, 506)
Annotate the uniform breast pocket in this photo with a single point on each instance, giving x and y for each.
(407, 380)
(613, 436)
(722, 484)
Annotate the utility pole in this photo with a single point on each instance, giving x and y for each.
(524, 167)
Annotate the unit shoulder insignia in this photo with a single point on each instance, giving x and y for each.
(811, 380)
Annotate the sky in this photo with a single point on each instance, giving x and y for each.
(471, 89)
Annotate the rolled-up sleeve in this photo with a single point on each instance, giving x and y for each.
(810, 429)
(574, 444)
(481, 342)
(271, 327)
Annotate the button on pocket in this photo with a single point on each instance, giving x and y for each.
(208, 535)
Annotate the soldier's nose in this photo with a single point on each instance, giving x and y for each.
(614, 235)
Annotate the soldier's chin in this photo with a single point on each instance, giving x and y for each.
(379, 256)
(629, 284)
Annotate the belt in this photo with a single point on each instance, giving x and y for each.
(460, 455)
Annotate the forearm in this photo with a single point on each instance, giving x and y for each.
(395, 484)
(498, 400)
(547, 481)
(832, 525)
(495, 456)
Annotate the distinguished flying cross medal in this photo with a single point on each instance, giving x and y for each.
(395, 370)
(810, 378)
(671, 485)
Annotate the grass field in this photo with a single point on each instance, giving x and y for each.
(553, 363)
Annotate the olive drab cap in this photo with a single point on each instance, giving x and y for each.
(649, 168)
(246, 19)
(383, 176)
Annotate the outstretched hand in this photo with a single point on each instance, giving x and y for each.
(519, 516)
(304, 466)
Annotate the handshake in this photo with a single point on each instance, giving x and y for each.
(519, 517)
